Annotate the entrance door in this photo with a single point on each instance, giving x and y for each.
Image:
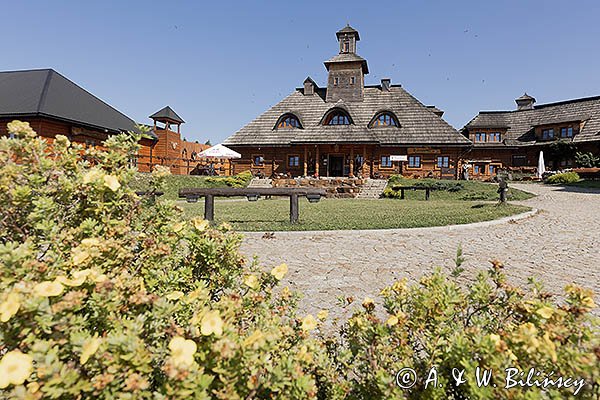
(336, 165)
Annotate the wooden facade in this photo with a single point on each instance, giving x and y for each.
(350, 160)
(513, 140)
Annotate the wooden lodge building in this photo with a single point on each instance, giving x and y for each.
(349, 128)
(54, 105)
(513, 139)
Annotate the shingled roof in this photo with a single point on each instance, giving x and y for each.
(46, 93)
(167, 113)
(419, 125)
(520, 124)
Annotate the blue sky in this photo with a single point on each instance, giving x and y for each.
(220, 64)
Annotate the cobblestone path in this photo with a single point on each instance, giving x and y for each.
(559, 245)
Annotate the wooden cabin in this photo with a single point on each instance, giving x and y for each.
(349, 129)
(512, 140)
(54, 105)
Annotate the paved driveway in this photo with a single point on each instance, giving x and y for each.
(559, 245)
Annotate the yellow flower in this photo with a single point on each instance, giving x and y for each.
(178, 227)
(257, 338)
(90, 242)
(15, 368)
(79, 256)
(79, 278)
(393, 320)
(545, 312)
(309, 323)
(111, 182)
(588, 302)
(9, 307)
(322, 315)
(48, 289)
(495, 338)
(251, 281)
(20, 127)
(211, 323)
(368, 304)
(279, 271)
(89, 348)
(200, 224)
(182, 351)
(92, 175)
(176, 295)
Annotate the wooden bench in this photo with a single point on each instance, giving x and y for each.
(397, 188)
(252, 194)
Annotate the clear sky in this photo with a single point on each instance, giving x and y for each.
(219, 64)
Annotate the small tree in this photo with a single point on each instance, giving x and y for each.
(587, 160)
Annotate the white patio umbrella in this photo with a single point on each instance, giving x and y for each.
(219, 151)
(541, 165)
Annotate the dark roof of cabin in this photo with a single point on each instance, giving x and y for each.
(419, 126)
(167, 113)
(520, 124)
(46, 93)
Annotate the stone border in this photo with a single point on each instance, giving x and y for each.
(481, 224)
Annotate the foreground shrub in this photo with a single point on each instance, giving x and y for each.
(563, 179)
(491, 325)
(105, 296)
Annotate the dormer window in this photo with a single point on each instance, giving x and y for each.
(548, 134)
(566, 132)
(288, 121)
(384, 119)
(337, 117)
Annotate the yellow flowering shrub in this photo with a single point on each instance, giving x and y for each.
(490, 325)
(107, 295)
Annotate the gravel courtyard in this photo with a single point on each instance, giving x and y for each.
(558, 245)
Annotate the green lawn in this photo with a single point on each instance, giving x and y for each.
(586, 184)
(455, 190)
(328, 214)
(175, 182)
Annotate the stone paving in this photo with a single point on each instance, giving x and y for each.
(558, 245)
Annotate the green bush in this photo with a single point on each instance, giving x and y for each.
(104, 295)
(563, 179)
(240, 180)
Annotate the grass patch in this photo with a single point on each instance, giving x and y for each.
(329, 214)
(175, 182)
(586, 184)
(444, 189)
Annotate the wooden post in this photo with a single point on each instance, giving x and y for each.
(305, 161)
(351, 174)
(317, 162)
(402, 194)
(293, 208)
(209, 207)
(364, 160)
(426, 193)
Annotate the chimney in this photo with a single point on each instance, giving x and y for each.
(385, 84)
(525, 102)
(309, 86)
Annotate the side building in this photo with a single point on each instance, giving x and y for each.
(349, 129)
(513, 139)
(54, 105)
